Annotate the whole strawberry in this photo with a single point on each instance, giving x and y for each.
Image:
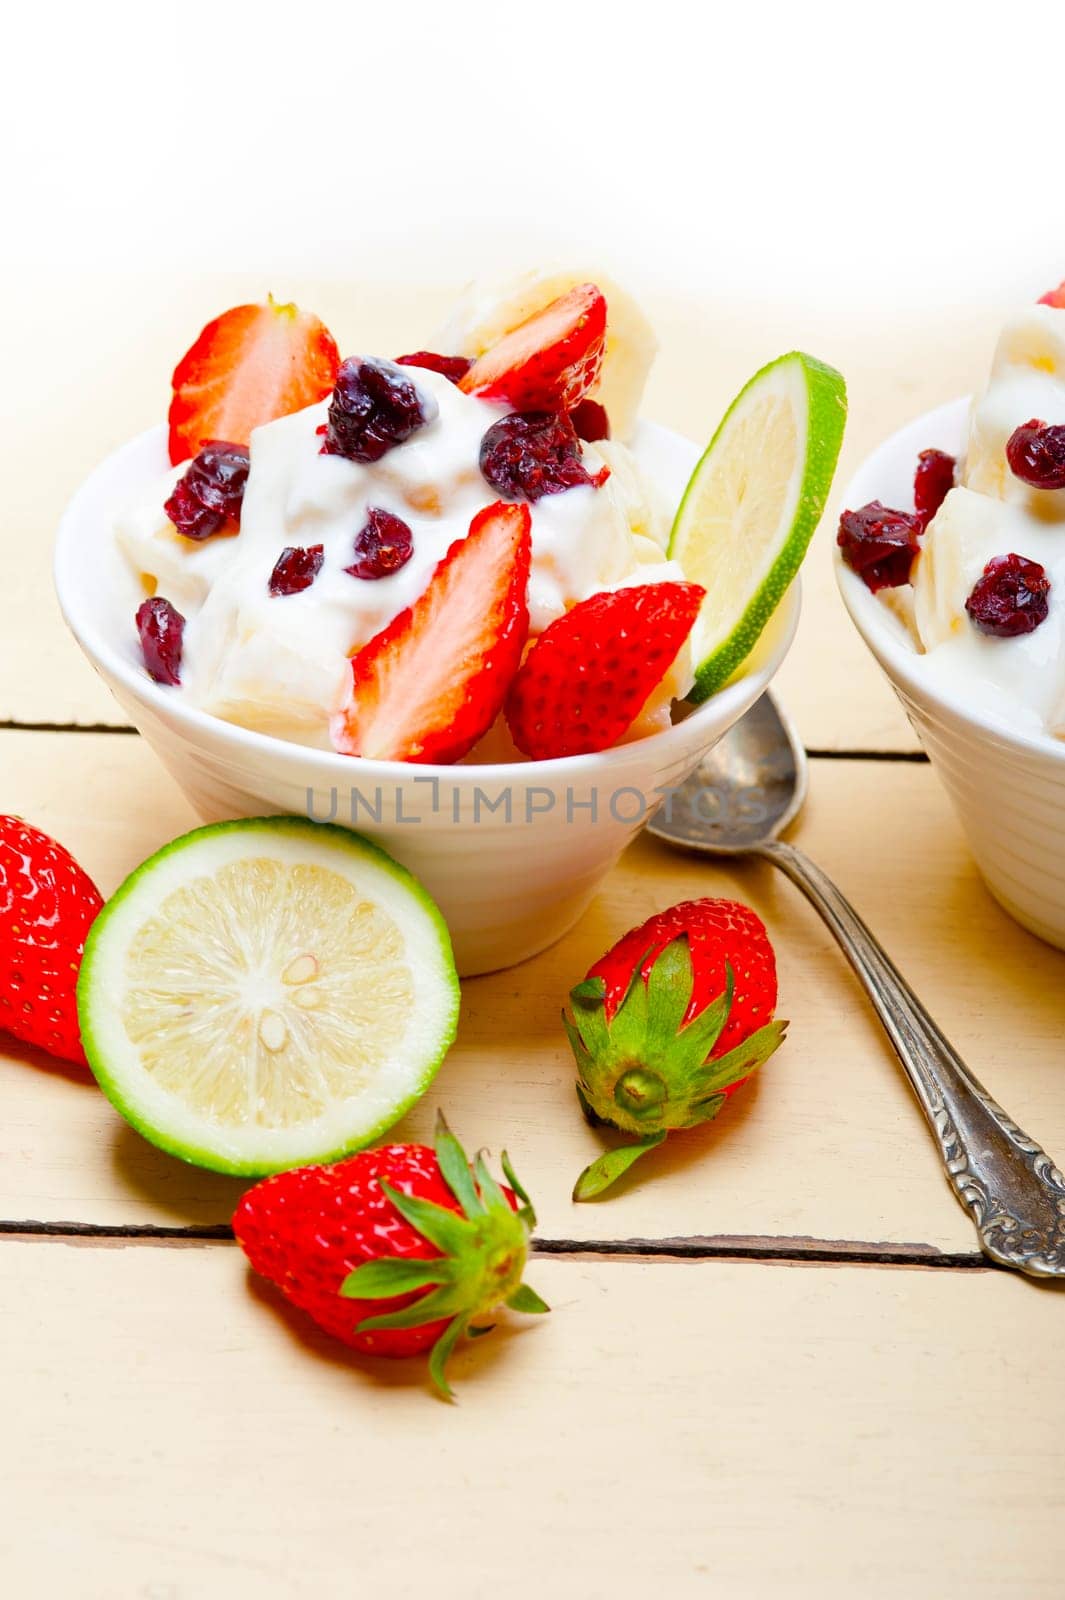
(395, 1251)
(47, 905)
(669, 1023)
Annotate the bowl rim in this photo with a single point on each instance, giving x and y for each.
(720, 710)
(874, 623)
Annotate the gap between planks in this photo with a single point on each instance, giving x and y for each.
(126, 730)
(12, 725)
(794, 1251)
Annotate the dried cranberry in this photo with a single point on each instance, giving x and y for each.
(534, 453)
(162, 634)
(296, 569)
(590, 421)
(1036, 454)
(374, 408)
(932, 482)
(209, 496)
(382, 546)
(1010, 598)
(879, 544)
(453, 367)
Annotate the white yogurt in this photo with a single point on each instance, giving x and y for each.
(281, 663)
(1021, 681)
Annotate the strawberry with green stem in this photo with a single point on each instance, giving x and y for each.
(668, 1024)
(396, 1251)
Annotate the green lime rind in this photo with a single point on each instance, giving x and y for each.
(201, 1155)
(826, 393)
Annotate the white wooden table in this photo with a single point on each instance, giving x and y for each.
(780, 1367)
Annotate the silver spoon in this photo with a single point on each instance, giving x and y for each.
(744, 794)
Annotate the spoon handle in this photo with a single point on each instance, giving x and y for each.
(1013, 1192)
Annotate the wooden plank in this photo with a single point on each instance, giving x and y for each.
(727, 1429)
(116, 365)
(828, 1145)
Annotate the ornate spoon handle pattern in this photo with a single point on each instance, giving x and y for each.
(1013, 1192)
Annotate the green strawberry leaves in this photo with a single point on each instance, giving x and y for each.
(650, 1067)
(512, 1178)
(526, 1299)
(381, 1279)
(483, 1250)
(610, 1166)
(744, 1059)
(456, 1169)
(444, 1228)
(443, 1302)
(438, 1356)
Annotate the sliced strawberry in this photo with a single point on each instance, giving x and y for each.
(1053, 297)
(588, 676)
(551, 361)
(248, 366)
(433, 682)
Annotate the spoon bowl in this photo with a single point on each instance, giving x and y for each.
(746, 791)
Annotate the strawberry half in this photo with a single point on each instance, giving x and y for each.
(249, 366)
(550, 362)
(590, 673)
(669, 1023)
(433, 682)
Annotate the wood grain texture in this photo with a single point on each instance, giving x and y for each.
(171, 1430)
(116, 363)
(829, 1144)
(725, 1428)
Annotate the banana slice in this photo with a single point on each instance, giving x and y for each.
(181, 569)
(637, 497)
(1027, 380)
(242, 667)
(1018, 680)
(488, 309)
(966, 532)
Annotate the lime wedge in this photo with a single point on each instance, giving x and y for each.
(266, 993)
(752, 505)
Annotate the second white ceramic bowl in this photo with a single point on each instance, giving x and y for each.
(511, 853)
(1007, 787)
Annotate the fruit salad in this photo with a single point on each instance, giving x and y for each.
(371, 554)
(975, 570)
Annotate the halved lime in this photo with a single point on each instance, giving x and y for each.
(753, 504)
(266, 993)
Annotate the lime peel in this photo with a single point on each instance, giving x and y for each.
(266, 993)
(752, 506)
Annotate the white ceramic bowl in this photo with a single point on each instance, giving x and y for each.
(512, 854)
(1007, 787)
